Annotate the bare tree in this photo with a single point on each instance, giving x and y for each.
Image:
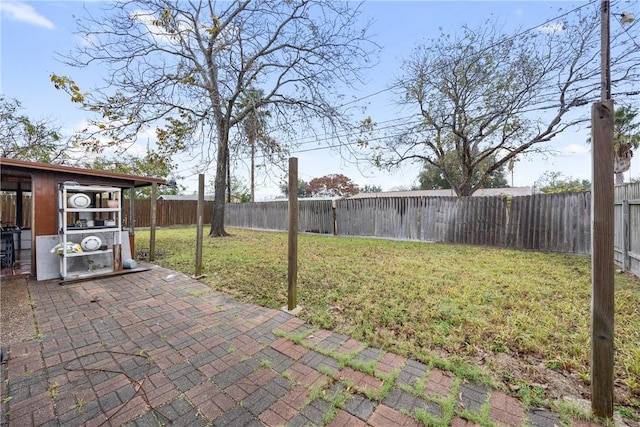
(185, 66)
(484, 99)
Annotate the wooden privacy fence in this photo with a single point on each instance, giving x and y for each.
(8, 210)
(168, 212)
(314, 216)
(627, 227)
(547, 222)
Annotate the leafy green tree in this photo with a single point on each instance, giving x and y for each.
(24, 138)
(626, 139)
(432, 178)
(255, 129)
(554, 182)
(142, 166)
(183, 67)
(239, 192)
(371, 189)
(302, 188)
(483, 99)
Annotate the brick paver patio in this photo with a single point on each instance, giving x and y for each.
(160, 348)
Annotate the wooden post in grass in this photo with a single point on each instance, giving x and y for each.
(200, 225)
(602, 268)
(152, 231)
(602, 232)
(292, 291)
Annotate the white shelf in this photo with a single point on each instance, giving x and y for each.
(92, 209)
(87, 253)
(73, 235)
(91, 273)
(90, 188)
(91, 230)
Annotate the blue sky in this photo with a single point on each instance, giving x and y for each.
(31, 33)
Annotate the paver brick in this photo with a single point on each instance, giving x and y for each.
(472, 396)
(385, 416)
(345, 419)
(506, 410)
(389, 363)
(462, 422)
(272, 419)
(289, 348)
(439, 383)
(364, 383)
(307, 376)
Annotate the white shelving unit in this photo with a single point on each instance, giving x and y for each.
(73, 232)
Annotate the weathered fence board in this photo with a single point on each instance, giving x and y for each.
(314, 216)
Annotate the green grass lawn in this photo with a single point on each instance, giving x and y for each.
(437, 303)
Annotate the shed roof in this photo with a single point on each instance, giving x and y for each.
(18, 168)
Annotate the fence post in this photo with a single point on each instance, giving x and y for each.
(152, 231)
(292, 291)
(200, 224)
(626, 234)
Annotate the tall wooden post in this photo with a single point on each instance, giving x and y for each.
(200, 225)
(602, 267)
(292, 291)
(602, 232)
(132, 226)
(152, 231)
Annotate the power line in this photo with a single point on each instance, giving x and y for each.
(328, 137)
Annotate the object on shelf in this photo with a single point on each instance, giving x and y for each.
(110, 223)
(99, 222)
(91, 243)
(112, 203)
(90, 223)
(80, 201)
(71, 248)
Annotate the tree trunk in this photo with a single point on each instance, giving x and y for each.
(217, 219)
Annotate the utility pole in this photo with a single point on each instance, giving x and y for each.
(602, 232)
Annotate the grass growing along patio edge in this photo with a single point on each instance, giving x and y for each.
(449, 306)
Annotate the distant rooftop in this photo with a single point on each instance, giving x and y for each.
(183, 197)
(507, 191)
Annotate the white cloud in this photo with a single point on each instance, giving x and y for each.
(552, 28)
(575, 149)
(22, 12)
